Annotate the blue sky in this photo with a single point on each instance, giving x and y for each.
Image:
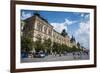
(75, 23)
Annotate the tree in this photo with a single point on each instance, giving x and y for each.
(47, 42)
(64, 33)
(73, 49)
(47, 45)
(64, 48)
(26, 44)
(55, 47)
(38, 45)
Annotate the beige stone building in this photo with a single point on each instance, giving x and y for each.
(37, 27)
(57, 37)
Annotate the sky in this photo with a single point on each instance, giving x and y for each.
(75, 23)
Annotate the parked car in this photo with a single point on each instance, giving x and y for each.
(39, 55)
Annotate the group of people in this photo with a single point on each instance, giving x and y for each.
(77, 55)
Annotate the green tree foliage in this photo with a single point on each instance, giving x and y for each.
(61, 48)
(75, 49)
(38, 46)
(44, 46)
(55, 47)
(26, 44)
(64, 48)
(47, 42)
(47, 45)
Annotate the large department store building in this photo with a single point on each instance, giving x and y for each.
(37, 27)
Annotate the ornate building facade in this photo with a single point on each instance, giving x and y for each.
(37, 27)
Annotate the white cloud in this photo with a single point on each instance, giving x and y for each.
(83, 28)
(25, 15)
(82, 34)
(87, 16)
(60, 26)
(82, 14)
(68, 22)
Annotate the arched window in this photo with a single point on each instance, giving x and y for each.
(39, 26)
(50, 32)
(45, 29)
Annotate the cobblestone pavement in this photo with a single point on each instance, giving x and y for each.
(50, 58)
